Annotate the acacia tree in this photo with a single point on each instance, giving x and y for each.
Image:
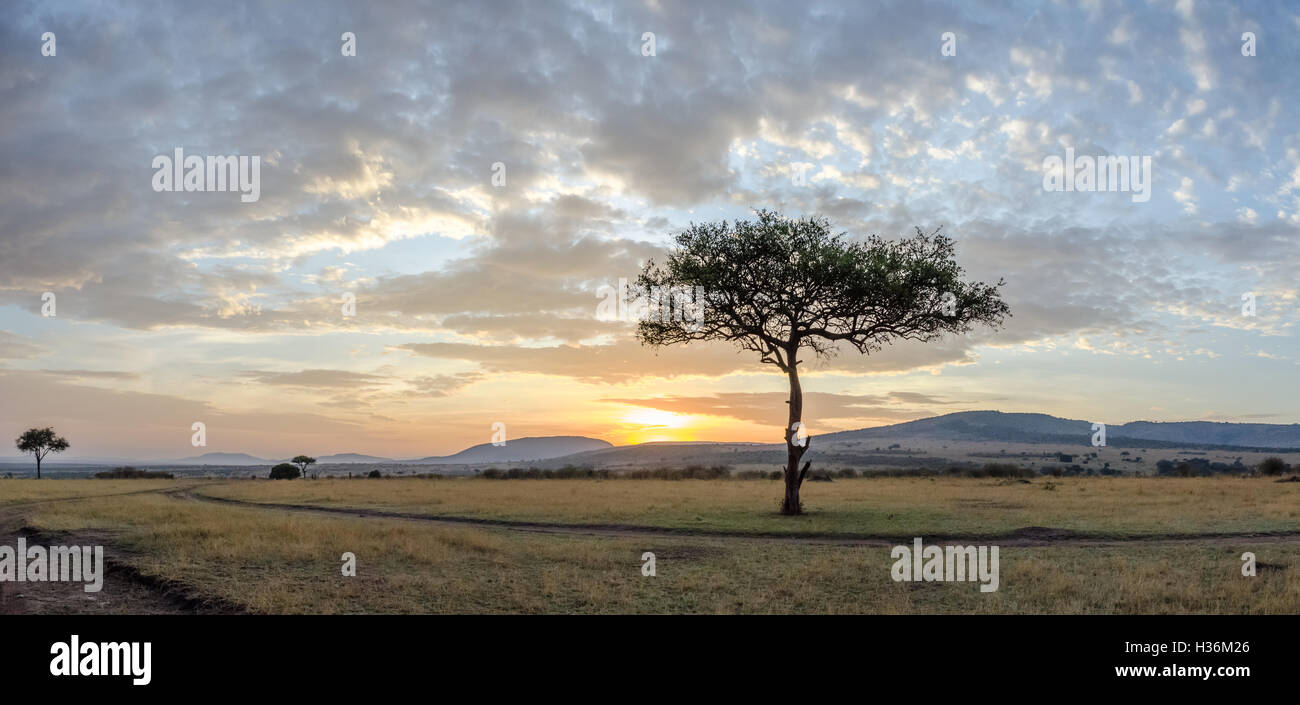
(40, 442)
(776, 286)
(302, 461)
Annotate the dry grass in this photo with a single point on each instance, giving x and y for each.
(886, 506)
(273, 561)
(22, 491)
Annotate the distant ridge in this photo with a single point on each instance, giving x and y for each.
(347, 458)
(519, 449)
(855, 447)
(1041, 428)
(223, 459)
(962, 426)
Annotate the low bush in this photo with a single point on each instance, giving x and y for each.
(130, 473)
(284, 471)
(1273, 466)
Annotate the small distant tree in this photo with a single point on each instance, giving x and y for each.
(1272, 466)
(284, 471)
(302, 461)
(779, 287)
(40, 442)
(374, 473)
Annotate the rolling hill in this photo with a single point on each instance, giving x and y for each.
(351, 458)
(223, 459)
(998, 426)
(962, 437)
(519, 449)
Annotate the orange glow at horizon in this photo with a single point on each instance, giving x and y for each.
(645, 425)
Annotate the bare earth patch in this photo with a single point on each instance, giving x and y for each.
(125, 590)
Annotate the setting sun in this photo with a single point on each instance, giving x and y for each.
(654, 418)
(641, 425)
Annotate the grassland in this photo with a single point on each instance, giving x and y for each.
(1104, 507)
(23, 491)
(269, 560)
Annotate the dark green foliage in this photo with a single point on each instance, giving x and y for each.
(777, 286)
(130, 473)
(1199, 467)
(1273, 466)
(284, 471)
(40, 442)
(302, 461)
(694, 472)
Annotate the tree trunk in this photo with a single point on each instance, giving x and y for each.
(794, 447)
(38, 467)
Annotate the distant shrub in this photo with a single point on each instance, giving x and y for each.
(909, 472)
(1273, 466)
(846, 473)
(374, 473)
(565, 473)
(1199, 467)
(284, 471)
(130, 473)
(993, 470)
(1004, 470)
(571, 472)
(694, 472)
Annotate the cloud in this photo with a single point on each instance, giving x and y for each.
(768, 408)
(377, 181)
(92, 374)
(443, 385)
(314, 378)
(107, 422)
(17, 347)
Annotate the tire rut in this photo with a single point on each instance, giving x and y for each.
(1033, 536)
(126, 589)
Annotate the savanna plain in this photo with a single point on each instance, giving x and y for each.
(1072, 545)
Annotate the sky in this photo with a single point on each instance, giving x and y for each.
(476, 171)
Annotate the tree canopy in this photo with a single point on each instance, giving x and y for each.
(777, 286)
(40, 442)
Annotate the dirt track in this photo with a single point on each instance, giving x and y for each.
(1025, 537)
(125, 589)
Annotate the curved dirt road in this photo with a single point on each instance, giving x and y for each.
(1025, 537)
